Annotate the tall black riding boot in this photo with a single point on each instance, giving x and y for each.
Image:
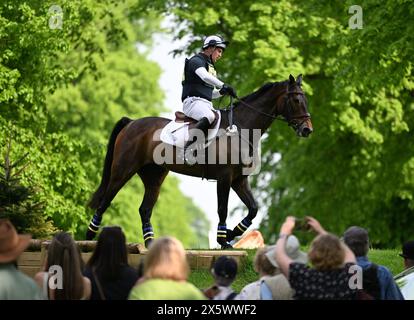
(203, 124)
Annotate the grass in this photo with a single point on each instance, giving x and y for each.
(388, 258)
(202, 278)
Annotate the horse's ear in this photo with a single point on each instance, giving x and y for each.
(299, 80)
(291, 79)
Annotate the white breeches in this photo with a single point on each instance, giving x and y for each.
(198, 108)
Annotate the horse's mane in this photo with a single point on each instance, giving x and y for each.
(260, 91)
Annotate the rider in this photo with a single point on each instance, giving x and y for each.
(200, 85)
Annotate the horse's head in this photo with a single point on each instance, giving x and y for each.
(295, 108)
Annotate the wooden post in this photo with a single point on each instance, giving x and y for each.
(43, 254)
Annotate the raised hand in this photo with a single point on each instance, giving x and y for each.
(315, 225)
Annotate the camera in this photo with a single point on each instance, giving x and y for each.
(301, 224)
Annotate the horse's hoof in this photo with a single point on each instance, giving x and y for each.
(226, 246)
(90, 235)
(230, 236)
(148, 243)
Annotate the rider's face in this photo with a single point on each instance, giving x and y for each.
(216, 55)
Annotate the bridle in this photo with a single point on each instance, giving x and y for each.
(287, 114)
(286, 117)
(294, 121)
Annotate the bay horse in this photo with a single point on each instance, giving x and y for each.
(132, 145)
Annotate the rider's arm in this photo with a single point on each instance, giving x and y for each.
(209, 78)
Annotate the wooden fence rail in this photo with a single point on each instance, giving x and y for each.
(33, 259)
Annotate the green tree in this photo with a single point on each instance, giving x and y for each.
(20, 203)
(31, 68)
(61, 90)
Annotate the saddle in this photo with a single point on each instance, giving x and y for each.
(181, 117)
(176, 132)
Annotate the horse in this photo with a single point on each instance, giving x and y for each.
(132, 145)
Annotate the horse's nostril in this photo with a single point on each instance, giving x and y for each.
(306, 131)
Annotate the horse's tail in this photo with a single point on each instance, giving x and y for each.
(99, 194)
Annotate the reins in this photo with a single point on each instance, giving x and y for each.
(253, 108)
(286, 116)
(287, 119)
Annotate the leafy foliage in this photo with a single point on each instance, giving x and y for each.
(19, 203)
(62, 90)
(32, 65)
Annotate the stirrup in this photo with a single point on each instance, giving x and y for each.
(189, 158)
(231, 131)
(189, 150)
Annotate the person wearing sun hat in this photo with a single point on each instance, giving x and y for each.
(265, 269)
(14, 285)
(279, 284)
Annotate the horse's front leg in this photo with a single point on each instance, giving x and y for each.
(223, 190)
(95, 223)
(242, 187)
(152, 176)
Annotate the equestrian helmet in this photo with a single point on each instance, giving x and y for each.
(215, 41)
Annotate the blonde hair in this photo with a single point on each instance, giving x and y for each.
(262, 264)
(166, 259)
(326, 252)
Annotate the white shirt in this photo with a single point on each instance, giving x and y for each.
(252, 290)
(224, 293)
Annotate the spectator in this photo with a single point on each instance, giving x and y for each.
(108, 270)
(408, 254)
(258, 290)
(329, 278)
(14, 285)
(64, 253)
(405, 280)
(224, 272)
(278, 284)
(356, 238)
(165, 274)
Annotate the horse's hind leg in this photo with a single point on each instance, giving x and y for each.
(242, 188)
(120, 175)
(152, 176)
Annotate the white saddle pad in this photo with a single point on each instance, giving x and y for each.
(176, 133)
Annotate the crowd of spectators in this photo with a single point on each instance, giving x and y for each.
(333, 268)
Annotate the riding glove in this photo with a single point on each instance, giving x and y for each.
(228, 90)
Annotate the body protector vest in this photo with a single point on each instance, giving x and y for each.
(193, 86)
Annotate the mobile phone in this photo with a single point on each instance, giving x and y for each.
(301, 224)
